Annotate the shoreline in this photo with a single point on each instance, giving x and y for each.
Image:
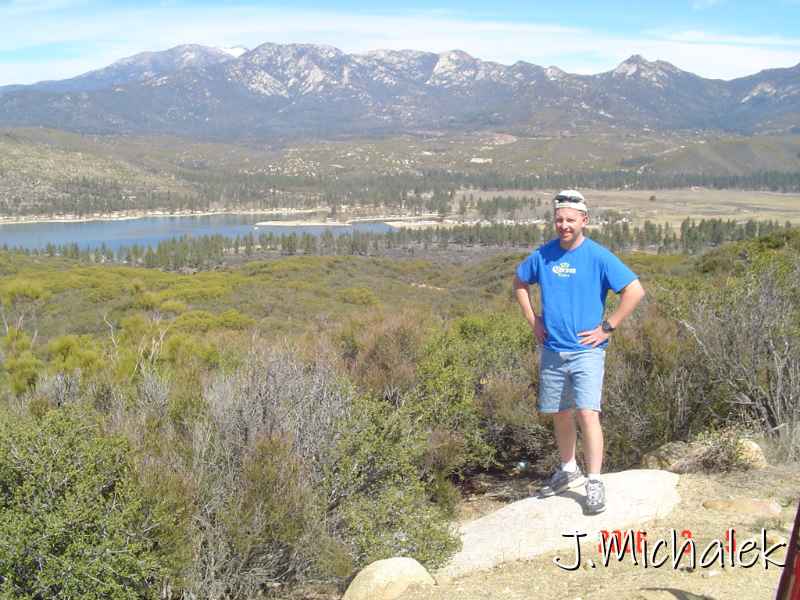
(295, 223)
(143, 214)
(411, 221)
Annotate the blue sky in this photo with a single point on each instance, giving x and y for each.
(56, 39)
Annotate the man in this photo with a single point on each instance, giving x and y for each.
(574, 275)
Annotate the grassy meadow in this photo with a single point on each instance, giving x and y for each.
(675, 205)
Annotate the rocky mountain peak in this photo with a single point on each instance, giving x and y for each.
(179, 57)
(453, 67)
(554, 73)
(396, 55)
(456, 57)
(293, 54)
(637, 66)
(294, 89)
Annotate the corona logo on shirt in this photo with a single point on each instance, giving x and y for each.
(563, 270)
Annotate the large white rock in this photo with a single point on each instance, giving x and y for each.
(535, 526)
(387, 579)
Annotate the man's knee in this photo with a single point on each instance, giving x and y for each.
(562, 415)
(588, 417)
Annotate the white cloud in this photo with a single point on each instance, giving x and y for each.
(117, 33)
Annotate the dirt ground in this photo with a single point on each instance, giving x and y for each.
(541, 578)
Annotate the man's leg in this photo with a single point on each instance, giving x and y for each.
(566, 434)
(555, 399)
(588, 377)
(592, 432)
(569, 474)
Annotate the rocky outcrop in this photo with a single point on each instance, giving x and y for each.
(691, 457)
(676, 457)
(535, 526)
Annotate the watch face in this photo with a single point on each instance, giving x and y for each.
(607, 327)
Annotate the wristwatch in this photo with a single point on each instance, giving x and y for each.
(606, 326)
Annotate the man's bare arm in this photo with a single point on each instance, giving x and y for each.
(629, 298)
(522, 294)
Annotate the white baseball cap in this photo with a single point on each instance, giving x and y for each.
(570, 199)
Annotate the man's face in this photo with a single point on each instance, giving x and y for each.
(569, 224)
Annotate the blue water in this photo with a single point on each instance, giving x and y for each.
(152, 230)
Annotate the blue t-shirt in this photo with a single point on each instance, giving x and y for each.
(573, 285)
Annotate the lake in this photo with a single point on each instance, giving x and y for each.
(149, 231)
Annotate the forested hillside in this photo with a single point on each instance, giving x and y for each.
(49, 172)
(279, 422)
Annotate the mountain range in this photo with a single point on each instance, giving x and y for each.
(309, 90)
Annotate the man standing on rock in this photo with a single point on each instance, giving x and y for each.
(574, 275)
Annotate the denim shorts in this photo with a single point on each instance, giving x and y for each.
(571, 380)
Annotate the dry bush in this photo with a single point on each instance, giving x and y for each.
(275, 395)
(297, 477)
(59, 389)
(259, 459)
(514, 427)
(381, 353)
(655, 388)
(747, 334)
(267, 475)
(722, 450)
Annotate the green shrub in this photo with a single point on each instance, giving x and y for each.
(657, 388)
(359, 295)
(23, 371)
(183, 350)
(72, 353)
(73, 522)
(200, 321)
(173, 306)
(513, 425)
(20, 366)
(451, 394)
(380, 507)
(195, 321)
(398, 521)
(145, 301)
(233, 319)
(21, 291)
